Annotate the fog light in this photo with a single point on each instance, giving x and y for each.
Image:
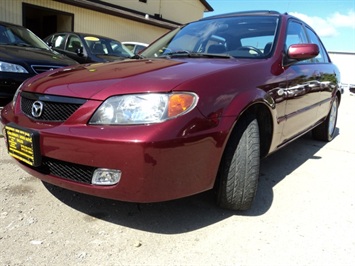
(106, 177)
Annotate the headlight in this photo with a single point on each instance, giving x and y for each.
(8, 67)
(143, 108)
(14, 99)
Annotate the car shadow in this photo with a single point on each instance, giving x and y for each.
(195, 212)
(280, 164)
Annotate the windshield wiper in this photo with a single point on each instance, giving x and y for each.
(194, 55)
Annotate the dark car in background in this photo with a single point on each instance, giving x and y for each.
(198, 110)
(23, 55)
(88, 48)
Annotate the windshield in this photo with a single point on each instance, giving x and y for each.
(20, 36)
(239, 37)
(106, 46)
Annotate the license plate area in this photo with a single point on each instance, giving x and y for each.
(23, 144)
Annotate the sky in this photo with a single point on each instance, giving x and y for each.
(333, 20)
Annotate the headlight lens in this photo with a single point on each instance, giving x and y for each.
(8, 67)
(143, 108)
(14, 99)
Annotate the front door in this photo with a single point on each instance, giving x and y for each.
(302, 91)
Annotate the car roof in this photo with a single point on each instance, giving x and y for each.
(135, 43)
(243, 13)
(83, 34)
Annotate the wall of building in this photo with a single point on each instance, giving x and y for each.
(87, 21)
(181, 11)
(345, 63)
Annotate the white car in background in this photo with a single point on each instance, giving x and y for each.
(135, 47)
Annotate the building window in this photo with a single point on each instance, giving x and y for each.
(143, 1)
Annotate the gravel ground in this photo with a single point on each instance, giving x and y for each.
(303, 214)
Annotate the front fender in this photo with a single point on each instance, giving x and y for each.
(244, 100)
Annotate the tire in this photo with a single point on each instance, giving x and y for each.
(239, 170)
(326, 130)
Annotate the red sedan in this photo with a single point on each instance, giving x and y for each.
(195, 111)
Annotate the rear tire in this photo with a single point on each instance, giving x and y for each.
(239, 170)
(326, 130)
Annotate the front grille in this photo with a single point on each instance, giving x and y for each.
(55, 108)
(70, 171)
(43, 68)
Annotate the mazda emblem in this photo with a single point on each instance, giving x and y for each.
(37, 109)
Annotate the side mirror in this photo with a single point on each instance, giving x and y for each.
(299, 52)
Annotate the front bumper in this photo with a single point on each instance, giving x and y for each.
(158, 162)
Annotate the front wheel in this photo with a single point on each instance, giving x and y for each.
(326, 130)
(239, 170)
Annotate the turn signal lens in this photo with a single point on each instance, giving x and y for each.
(180, 103)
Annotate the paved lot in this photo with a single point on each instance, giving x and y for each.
(304, 214)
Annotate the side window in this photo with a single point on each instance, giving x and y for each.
(295, 34)
(3, 36)
(73, 44)
(130, 46)
(58, 41)
(139, 48)
(322, 56)
(99, 47)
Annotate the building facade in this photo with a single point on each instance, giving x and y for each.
(345, 62)
(134, 20)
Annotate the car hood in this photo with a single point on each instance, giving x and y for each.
(29, 56)
(99, 81)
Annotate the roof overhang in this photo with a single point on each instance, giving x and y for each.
(207, 6)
